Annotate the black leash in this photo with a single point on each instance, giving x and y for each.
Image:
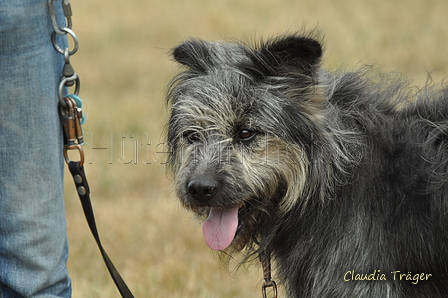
(73, 139)
(82, 187)
(71, 117)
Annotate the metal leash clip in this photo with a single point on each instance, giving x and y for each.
(71, 121)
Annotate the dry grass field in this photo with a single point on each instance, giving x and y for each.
(124, 67)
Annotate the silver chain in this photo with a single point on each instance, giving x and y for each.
(69, 77)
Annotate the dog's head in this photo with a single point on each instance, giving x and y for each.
(241, 123)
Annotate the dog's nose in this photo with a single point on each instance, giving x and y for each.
(202, 189)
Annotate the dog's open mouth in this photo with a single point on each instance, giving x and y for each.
(221, 226)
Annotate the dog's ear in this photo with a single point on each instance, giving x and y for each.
(295, 50)
(287, 55)
(195, 54)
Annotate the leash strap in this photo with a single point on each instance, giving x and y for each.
(82, 187)
(71, 116)
(265, 259)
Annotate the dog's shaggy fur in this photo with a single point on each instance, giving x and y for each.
(340, 176)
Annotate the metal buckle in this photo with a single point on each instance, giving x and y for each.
(269, 284)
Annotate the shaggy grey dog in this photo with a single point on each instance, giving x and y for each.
(340, 176)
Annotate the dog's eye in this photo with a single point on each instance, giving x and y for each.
(192, 136)
(246, 134)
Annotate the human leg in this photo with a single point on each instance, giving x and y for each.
(33, 241)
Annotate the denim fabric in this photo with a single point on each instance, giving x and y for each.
(33, 240)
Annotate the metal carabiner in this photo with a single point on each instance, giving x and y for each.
(67, 115)
(66, 7)
(71, 117)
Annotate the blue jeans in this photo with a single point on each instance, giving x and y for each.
(33, 239)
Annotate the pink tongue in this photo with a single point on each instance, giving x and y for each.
(220, 227)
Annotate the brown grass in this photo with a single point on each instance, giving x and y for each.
(124, 68)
